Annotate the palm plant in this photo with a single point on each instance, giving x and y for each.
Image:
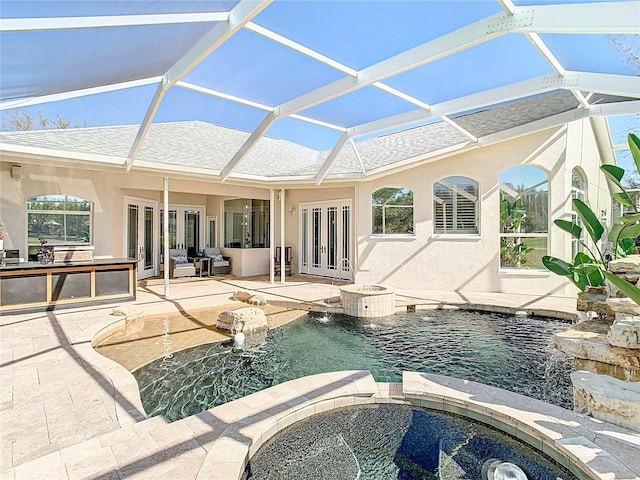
(590, 269)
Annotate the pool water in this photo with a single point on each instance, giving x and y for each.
(505, 351)
(385, 441)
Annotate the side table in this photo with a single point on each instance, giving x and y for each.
(202, 265)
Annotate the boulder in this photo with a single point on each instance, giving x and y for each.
(623, 305)
(607, 399)
(588, 341)
(625, 331)
(630, 264)
(249, 298)
(257, 300)
(246, 320)
(595, 301)
(241, 296)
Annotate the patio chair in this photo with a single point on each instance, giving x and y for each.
(219, 263)
(287, 261)
(180, 264)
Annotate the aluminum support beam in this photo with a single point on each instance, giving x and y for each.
(248, 145)
(614, 18)
(354, 147)
(242, 13)
(55, 97)
(337, 148)
(604, 83)
(107, 21)
(441, 47)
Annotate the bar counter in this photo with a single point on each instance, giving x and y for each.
(33, 286)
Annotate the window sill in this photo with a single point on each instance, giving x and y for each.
(524, 272)
(391, 236)
(465, 237)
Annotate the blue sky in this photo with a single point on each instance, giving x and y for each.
(254, 68)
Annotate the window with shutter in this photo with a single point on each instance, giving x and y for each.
(455, 206)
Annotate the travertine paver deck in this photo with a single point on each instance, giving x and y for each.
(59, 398)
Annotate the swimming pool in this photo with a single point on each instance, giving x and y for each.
(511, 352)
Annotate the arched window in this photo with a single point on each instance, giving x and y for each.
(578, 190)
(392, 211)
(524, 217)
(59, 219)
(455, 206)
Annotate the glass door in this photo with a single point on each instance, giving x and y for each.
(325, 243)
(186, 228)
(141, 235)
(212, 231)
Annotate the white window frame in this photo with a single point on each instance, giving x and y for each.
(58, 212)
(545, 235)
(454, 187)
(384, 233)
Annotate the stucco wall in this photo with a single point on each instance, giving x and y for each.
(425, 260)
(470, 262)
(107, 190)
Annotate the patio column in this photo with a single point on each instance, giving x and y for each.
(282, 252)
(272, 235)
(165, 233)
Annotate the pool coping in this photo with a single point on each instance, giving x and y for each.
(219, 442)
(576, 441)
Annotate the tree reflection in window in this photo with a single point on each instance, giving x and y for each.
(524, 217)
(392, 211)
(59, 219)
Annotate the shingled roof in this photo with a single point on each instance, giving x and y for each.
(200, 145)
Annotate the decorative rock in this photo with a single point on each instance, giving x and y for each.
(595, 301)
(623, 305)
(588, 341)
(607, 399)
(247, 320)
(241, 296)
(602, 368)
(257, 300)
(249, 298)
(630, 264)
(132, 313)
(625, 331)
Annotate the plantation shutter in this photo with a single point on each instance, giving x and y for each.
(455, 206)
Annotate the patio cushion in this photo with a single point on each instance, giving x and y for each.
(212, 252)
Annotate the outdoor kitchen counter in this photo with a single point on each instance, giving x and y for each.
(31, 285)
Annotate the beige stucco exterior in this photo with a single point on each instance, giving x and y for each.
(424, 260)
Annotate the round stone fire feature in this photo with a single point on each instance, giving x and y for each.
(368, 301)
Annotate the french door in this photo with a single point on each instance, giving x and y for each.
(186, 228)
(141, 234)
(325, 243)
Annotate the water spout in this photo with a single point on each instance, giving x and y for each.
(239, 339)
(494, 469)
